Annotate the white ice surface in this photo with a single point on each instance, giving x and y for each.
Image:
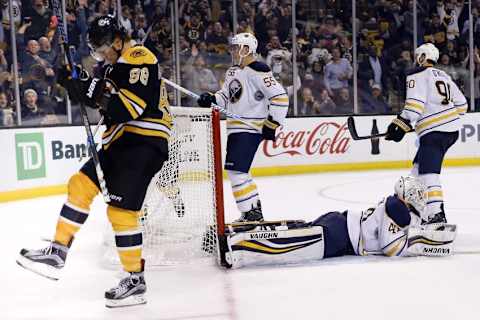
(342, 288)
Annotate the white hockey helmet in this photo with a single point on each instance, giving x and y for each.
(426, 51)
(413, 191)
(242, 40)
(245, 39)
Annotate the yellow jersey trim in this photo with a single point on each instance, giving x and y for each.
(138, 55)
(133, 97)
(128, 106)
(422, 125)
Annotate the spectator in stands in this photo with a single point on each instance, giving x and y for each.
(449, 13)
(337, 73)
(374, 102)
(126, 19)
(31, 57)
(326, 104)
(217, 42)
(436, 32)
(46, 52)
(7, 112)
(40, 16)
(197, 76)
(194, 29)
(307, 105)
(31, 113)
(445, 65)
(344, 103)
(371, 70)
(140, 27)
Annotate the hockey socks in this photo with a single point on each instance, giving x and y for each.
(434, 196)
(244, 190)
(81, 192)
(128, 237)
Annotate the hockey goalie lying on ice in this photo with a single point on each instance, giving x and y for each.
(393, 228)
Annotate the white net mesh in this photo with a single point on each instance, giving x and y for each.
(179, 213)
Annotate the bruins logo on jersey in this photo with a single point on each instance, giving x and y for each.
(235, 90)
(138, 53)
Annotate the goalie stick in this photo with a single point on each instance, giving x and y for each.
(68, 53)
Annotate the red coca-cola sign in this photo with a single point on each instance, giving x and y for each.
(328, 137)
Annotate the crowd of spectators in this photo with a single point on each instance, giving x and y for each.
(324, 50)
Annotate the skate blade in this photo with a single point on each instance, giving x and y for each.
(127, 302)
(41, 269)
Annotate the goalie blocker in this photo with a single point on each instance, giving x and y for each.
(393, 228)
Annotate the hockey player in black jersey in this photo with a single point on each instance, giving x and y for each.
(134, 148)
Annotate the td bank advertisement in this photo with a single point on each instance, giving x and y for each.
(38, 157)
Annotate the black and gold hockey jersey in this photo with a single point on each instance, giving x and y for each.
(138, 108)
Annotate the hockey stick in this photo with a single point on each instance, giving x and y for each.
(354, 134)
(67, 53)
(353, 131)
(222, 110)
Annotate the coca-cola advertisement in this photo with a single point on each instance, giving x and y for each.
(327, 137)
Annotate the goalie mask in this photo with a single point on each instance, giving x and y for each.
(427, 52)
(412, 191)
(238, 44)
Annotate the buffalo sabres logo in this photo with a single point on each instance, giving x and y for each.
(235, 90)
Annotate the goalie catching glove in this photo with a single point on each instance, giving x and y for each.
(83, 89)
(398, 128)
(269, 128)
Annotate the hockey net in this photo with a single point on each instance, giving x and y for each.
(183, 208)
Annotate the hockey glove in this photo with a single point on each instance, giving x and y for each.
(206, 99)
(83, 89)
(269, 128)
(397, 129)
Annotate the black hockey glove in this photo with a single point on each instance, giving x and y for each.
(397, 129)
(269, 128)
(83, 89)
(206, 99)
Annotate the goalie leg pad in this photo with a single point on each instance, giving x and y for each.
(428, 240)
(271, 247)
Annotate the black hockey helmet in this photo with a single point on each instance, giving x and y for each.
(102, 32)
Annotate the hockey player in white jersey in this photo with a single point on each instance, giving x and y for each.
(433, 107)
(251, 92)
(392, 228)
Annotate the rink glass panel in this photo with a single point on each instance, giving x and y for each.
(393, 31)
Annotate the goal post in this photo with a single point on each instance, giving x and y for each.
(182, 216)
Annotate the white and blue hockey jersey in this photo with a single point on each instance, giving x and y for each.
(253, 94)
(433, 102)
(381, 230)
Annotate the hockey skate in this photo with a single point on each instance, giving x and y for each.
(438, 218)
(129, 292)
(254, 214)
(47, 262)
